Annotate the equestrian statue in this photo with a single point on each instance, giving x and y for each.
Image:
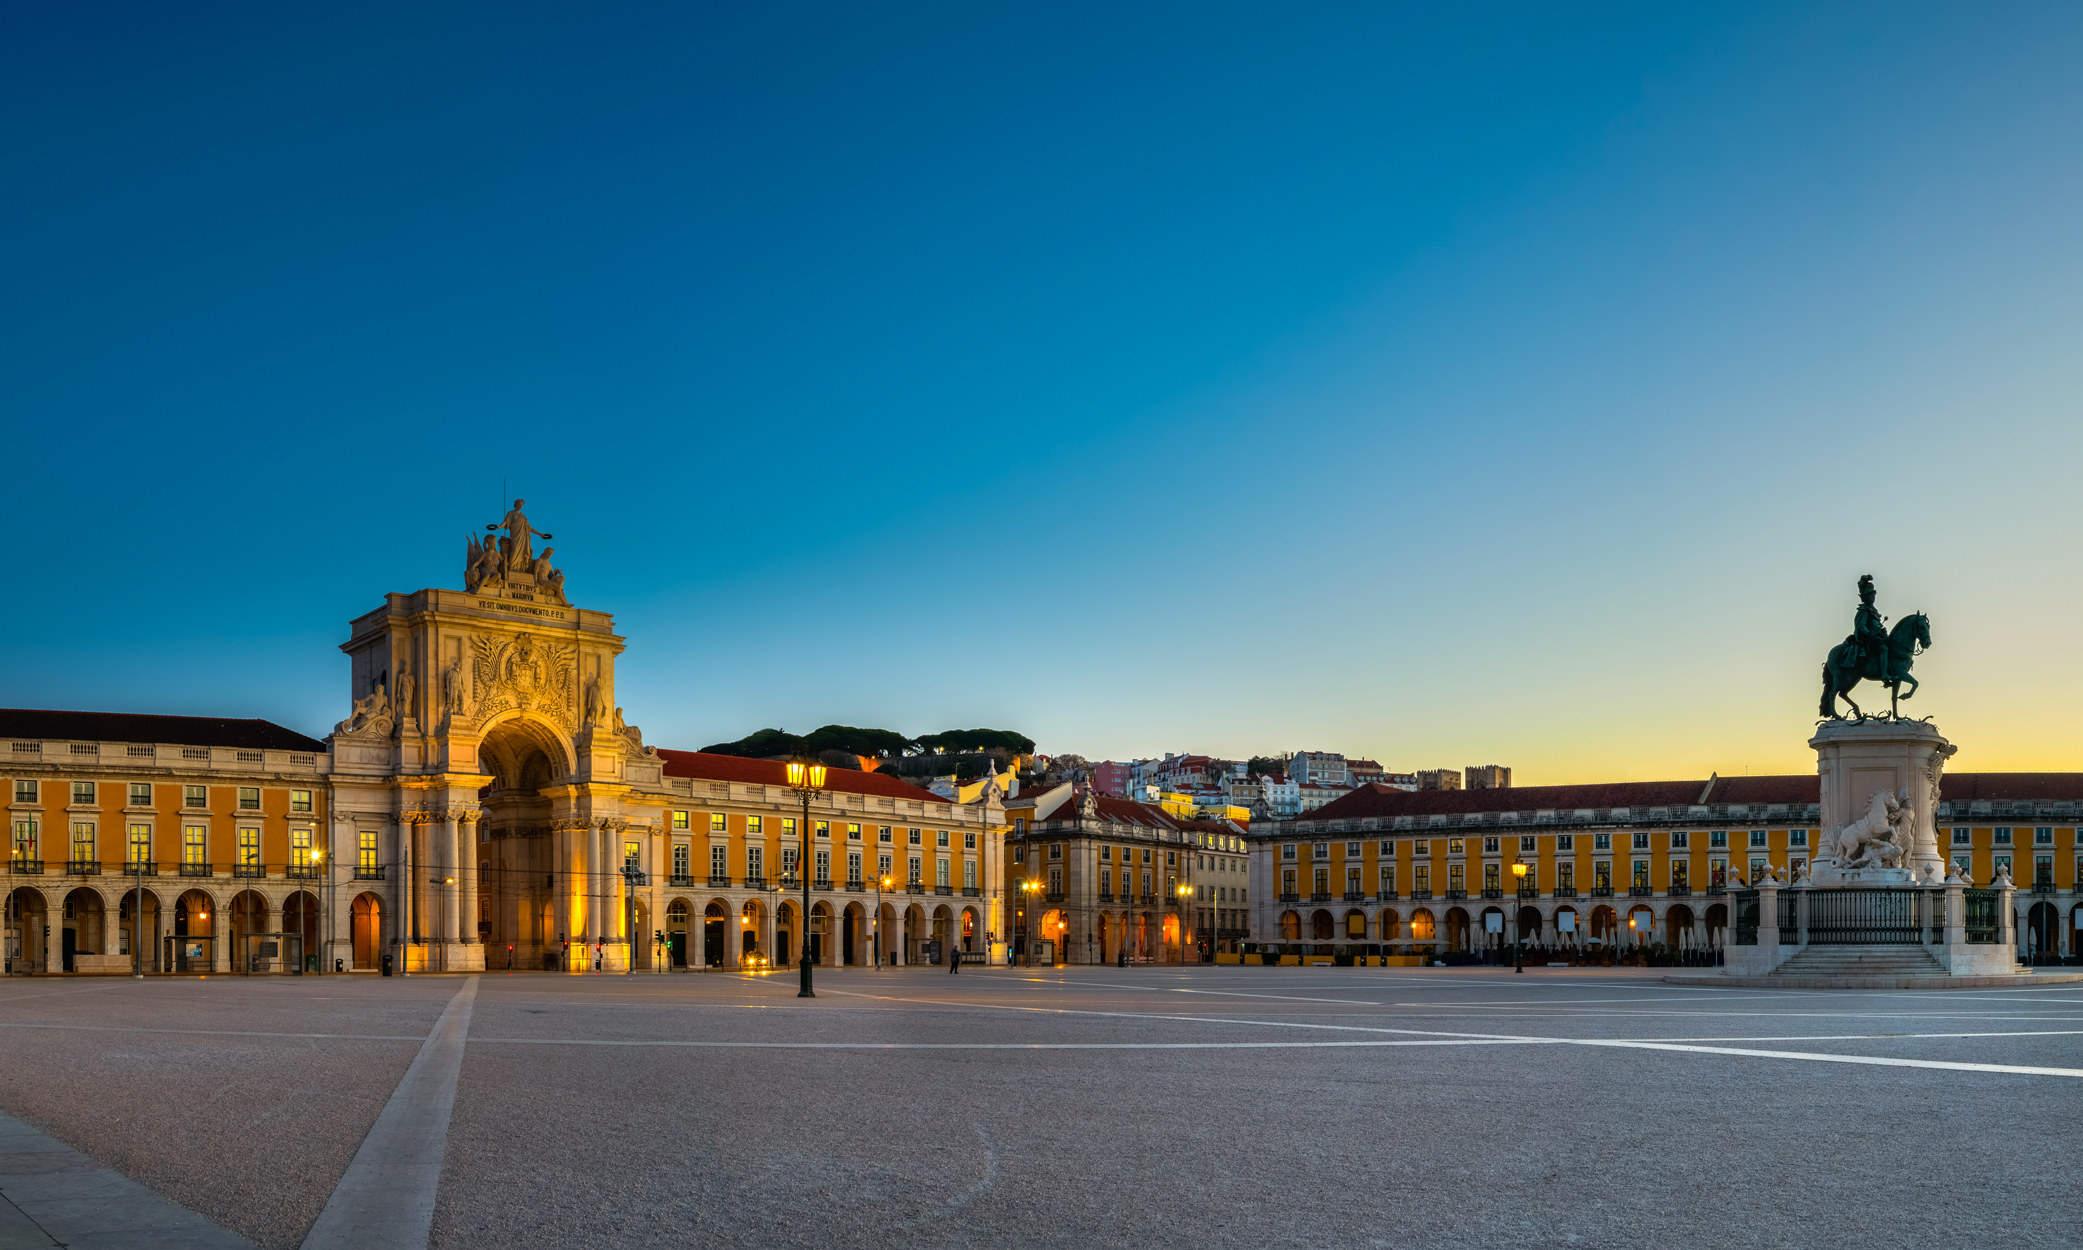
(1874, 652)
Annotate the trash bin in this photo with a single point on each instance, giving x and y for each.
(386, 965)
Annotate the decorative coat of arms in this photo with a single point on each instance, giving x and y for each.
(525, 674)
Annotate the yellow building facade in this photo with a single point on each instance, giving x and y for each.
(1619, 865)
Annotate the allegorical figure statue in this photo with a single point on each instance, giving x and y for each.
(519, 544)
(492, 560)
(1873, 652)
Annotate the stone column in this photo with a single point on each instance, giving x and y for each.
(446, 871)
(467, 885)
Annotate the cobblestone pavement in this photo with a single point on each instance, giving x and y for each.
(1198, 1106)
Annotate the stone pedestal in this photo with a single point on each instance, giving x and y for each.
(1856, 760)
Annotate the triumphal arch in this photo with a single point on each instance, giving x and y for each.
(486, 768)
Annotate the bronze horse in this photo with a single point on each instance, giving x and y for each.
(1911, 635)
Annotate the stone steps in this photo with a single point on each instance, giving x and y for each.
(1862, 961)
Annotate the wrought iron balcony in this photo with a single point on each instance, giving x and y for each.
(1529, 891)
(2043, 887)
(1047, 898)
(1717, 889)
(26, 867)
(971, 891)
(915, 887)
(1321, 896)
(1285, 898)
(1386, 896)
(682, 879)
(635, 877)
(1602, 891)
(1421, 896)
(822, 883)
(1149, 900)
(1565, 891)
(301, 872)
(1640, 891)
(718, 882)
(368, 872)
(82, 868)
(1493, 891)
(197, 870)
(139, 868)
(948, 891)
(1354, 896)
(857, 886)
(1453, 894)
(1106, 896)
(1679, 890)
(750, 883)
(249, 870)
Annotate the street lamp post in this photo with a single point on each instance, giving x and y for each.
(805, 777)
(881, 883)
(1180, 894)
(1518, 937)
(1028, 886)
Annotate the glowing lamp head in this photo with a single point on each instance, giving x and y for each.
(806, 775)
(1519, 871)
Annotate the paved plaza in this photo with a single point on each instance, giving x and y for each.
(1102, 1106)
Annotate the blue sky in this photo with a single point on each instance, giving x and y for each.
(1512, 384)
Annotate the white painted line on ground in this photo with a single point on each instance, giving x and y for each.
(1816, 1057)
(386, 1196)
(1350, 1042)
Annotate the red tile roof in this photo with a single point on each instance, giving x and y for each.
(1382, 801)
(707, 767)
(194, 731)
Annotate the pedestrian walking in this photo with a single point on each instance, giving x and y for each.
(954, 963)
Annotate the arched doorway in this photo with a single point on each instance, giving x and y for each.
(27, 914)
(823, 953)
(1568, 926)
(300, 919)
(884, 939)
(1052, 953)
(915, 933)
(2042, 930)
(1493, 929)
(1108, 941)
(1641, 926)
(1171, 939)
(1391, 925)
(84, 924)
(1422, 926)
(249, 916)
(140, 942)
(1320, 925)
(366, 929)
(969, 933)
(677, 914)
(944, 937)
(715, 922)
(1678, 933)
(1717, 926)
(195, 933)
(1528, 923)
(752, 927)
(1603, 922)
(1356, 925)
(1290, 926)
(1457, 929)
(851, 948)
(787, 928)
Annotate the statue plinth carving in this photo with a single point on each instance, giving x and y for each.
(1880, 792)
